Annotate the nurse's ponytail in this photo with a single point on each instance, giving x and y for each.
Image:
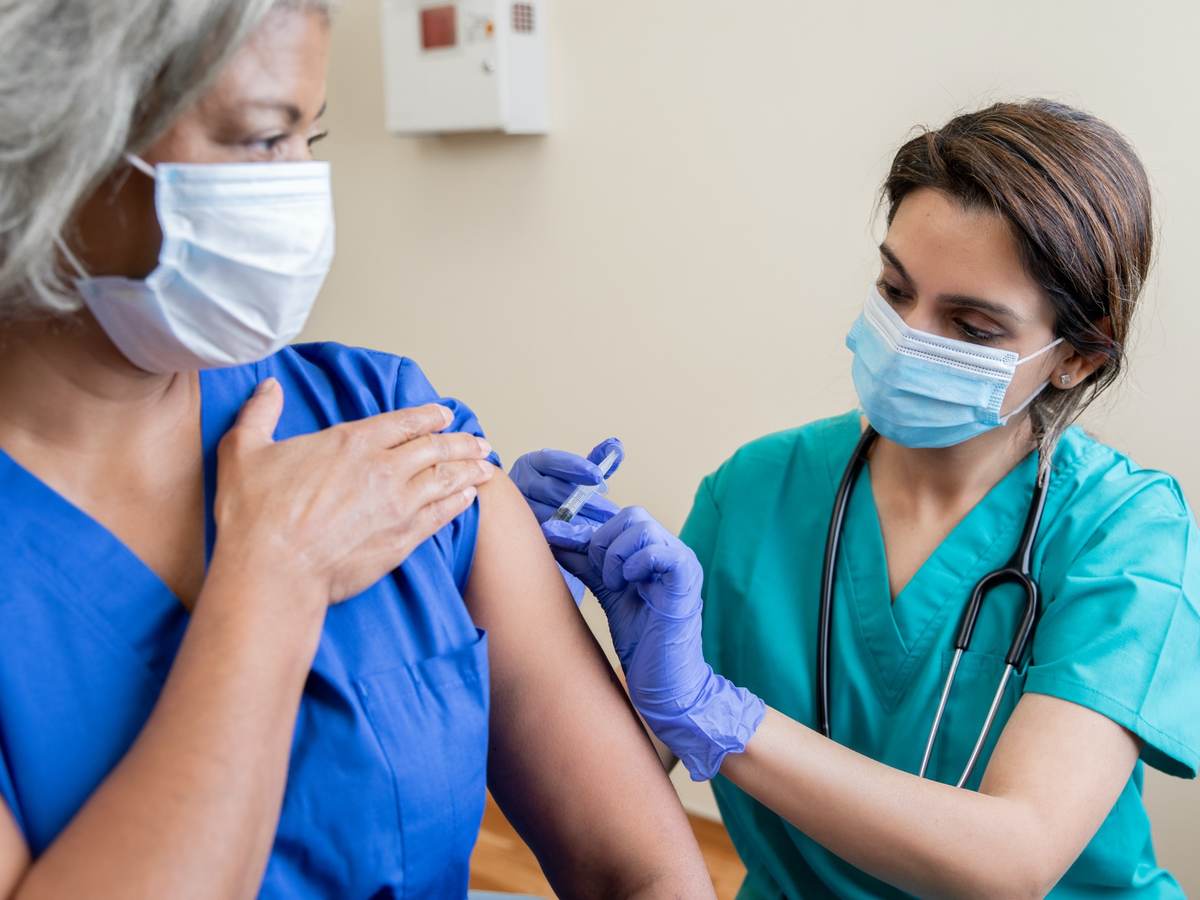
(1078, 201)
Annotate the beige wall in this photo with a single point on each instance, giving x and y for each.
(701, 213)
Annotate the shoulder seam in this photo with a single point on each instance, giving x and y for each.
(706, 486)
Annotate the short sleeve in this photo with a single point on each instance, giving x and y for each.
(414, 389)
(1121, 635)
(700, 529)
(326, 384)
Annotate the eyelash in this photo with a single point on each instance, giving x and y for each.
(271, 143)
(895, 296)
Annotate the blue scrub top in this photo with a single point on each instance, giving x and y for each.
(386, 784)
(1118, 561)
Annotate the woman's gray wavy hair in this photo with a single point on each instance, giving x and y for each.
(81, 83)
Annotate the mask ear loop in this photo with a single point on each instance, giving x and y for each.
(1024, 406)
(1045, 384)
(141, 165)
(70, 257)
(1045, 349)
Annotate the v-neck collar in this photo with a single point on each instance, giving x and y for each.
(93, 569)
(897, 636)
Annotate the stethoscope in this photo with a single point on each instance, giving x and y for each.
(1018, 571)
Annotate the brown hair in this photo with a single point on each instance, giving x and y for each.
(1078, 202)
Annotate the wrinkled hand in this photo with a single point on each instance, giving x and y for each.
(649, 585)
(337, 510)
(546, 478)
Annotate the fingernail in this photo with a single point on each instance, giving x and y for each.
(469, 494)
(447, 415)
(484, 446)
(265, 385)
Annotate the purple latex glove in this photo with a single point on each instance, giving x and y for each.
(546, 478)
(648, 583)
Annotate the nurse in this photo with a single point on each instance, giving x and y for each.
(1018, 243)
(270, 622)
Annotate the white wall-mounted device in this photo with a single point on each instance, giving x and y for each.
(470, 65)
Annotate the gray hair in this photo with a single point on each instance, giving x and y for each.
(81, 83)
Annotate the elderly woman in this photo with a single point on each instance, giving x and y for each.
(187, 706)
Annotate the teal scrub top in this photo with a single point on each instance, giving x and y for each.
(1118, 561)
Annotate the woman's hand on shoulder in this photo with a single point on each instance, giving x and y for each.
(331, 513)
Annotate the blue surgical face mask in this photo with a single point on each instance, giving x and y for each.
(924, 390)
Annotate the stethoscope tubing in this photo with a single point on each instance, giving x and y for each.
(1018, 571)
(832, 545)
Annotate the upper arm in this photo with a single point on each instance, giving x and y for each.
(1112, 674)
(14, 854)
(567, 756)
(1120, 632)
(1066, 765)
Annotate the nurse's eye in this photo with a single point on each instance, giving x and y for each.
(892, 294)
(976, 335)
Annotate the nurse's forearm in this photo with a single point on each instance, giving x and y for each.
(192, 809)
(927, 838)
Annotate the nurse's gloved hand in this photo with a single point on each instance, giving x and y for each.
(648, 583)
(546, 478)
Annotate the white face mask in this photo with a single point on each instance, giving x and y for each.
(245, 251)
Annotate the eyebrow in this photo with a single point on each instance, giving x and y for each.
(999, 310)
(291, 110)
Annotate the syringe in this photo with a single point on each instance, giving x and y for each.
(582, 494)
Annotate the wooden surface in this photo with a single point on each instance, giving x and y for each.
(502, 862)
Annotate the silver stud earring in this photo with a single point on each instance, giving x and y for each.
(1064, 379)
